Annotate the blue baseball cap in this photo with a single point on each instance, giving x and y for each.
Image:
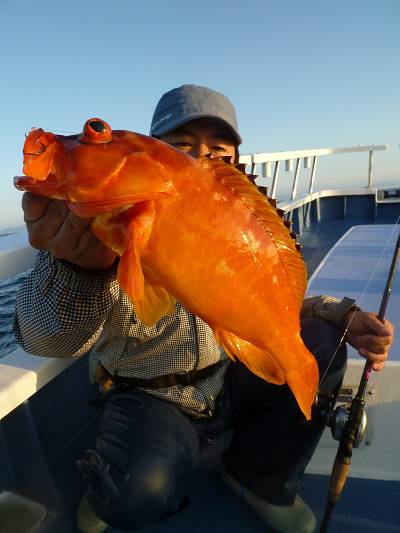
(188, 102)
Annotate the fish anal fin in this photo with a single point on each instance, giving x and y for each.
(241, 167)
(256, 359)
(303, 381)
(302, 378)
(269, 217)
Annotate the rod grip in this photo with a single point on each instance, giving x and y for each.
(339, 475)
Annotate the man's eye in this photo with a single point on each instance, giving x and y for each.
(182, 144)
(218, 148)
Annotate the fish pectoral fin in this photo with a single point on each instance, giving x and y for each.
(130, 273)
(156, 303)
(138, 223)
(151, 301)
(256, 359)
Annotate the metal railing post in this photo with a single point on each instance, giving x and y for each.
(266, 169)
(275, 179)
(314, 166)
(295, 179)
(371, 155)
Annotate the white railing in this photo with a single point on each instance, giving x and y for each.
(15, 254)
(309, 158)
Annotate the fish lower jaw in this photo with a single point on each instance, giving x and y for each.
(20, 182)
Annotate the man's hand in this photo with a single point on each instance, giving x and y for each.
(371, 337)
(53, 227)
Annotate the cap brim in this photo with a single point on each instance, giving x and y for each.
(174, 124)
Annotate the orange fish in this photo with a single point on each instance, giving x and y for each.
(192, 229)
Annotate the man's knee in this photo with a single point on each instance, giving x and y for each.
(148, 493)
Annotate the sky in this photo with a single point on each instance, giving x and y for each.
(301, 74)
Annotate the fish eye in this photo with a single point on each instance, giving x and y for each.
(96, 125)
(96, 131)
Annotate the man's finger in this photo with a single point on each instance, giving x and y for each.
(74, 224)
(377, 367)
(56, 211)
(34, 206)
(379, 327)
(92, 253)
(66, 241)
(372, 356)
(375, 342)
(47, 227)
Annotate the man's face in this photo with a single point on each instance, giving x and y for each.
(202, 136)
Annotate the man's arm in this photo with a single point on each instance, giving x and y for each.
(368, 335)
(59, 312)
(63, 303)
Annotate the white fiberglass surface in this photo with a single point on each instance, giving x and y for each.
(357, 267)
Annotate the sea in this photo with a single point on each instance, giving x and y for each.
(8, 292)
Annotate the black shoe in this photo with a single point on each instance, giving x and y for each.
(296, 518)
(86, 519)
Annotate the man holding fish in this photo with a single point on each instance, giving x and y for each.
(169, 386)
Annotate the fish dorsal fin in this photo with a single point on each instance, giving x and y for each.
(269, 217)
(241, 167)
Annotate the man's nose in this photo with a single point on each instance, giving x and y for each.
(199, 150)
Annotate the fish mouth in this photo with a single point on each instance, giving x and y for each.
(41, 151)
(37, 142)
(23, 183)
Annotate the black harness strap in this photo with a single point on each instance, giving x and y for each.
(168, 380)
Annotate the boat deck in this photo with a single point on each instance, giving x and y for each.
(366, 506)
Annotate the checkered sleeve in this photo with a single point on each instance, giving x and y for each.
(60, 312)
(328, 308)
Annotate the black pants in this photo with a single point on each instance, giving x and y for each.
(146, 449)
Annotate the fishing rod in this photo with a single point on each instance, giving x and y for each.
(356, 417)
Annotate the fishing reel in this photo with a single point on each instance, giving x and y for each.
(337, 420)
